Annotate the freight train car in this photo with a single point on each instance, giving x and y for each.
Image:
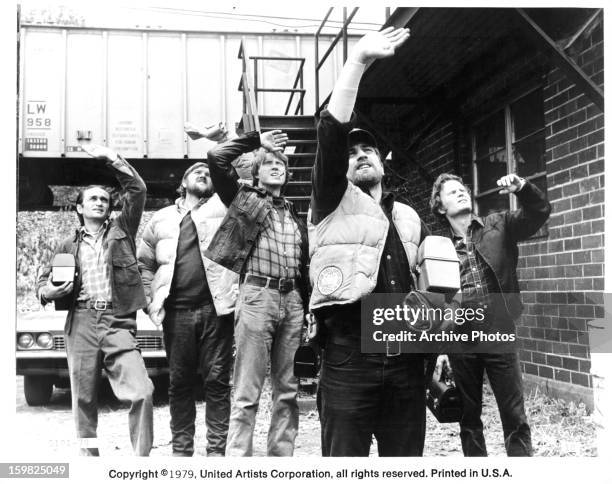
(133, 90)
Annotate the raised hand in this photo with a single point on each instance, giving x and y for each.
(274, 140)
(215, 132)
(510, 183)
(193, 131)
(100, 152)
(378, 45)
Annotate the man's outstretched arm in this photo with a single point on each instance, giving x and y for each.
(223, 174)
(131, 184)
(329, 172)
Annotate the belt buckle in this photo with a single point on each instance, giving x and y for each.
(101, 308)
(391, 355)
(284, 284)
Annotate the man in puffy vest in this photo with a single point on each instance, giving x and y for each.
(102, 302)
(262, 239)
(193, 298)
(361, 241)
(488, 255)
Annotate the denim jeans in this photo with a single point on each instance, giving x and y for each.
(268, 330)
(371, 394)
(198, 341)
(97, 340)
(505, 377)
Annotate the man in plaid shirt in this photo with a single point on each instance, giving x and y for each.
(488, 255)
(263, 240)
(102, 302)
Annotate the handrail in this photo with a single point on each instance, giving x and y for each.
(250, 95)
(249, 103)
(341, 35)
(298, 78)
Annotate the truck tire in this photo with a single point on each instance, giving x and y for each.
(37, 390)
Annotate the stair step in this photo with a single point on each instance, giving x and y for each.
(300, 168)
(298, 183)
(302, 156)
(296, 142)
(298, 198)
(281, 122)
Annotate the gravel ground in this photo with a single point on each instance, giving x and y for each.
(558, 429)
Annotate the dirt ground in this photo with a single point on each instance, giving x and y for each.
(50, 428)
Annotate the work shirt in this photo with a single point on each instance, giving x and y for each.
(95, 271)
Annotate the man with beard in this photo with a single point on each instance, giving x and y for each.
(193, 298)
(361, 241)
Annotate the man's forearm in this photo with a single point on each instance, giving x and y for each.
(136, 193)
(534, 211)
(342, 100)
(222, 173)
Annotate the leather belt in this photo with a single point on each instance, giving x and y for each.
(282, 285)
(98, 305)
(354, 343)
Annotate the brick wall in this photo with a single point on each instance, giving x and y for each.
(561, 271)
(562, 275)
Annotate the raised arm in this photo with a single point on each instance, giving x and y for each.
(132, 185)
(223, 174)
(534, 210)
(331, 163)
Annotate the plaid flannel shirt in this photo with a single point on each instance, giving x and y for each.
(477, 280)
(95, 272)
(277, 250)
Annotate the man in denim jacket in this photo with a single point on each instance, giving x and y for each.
(263, 240)
(102, 302)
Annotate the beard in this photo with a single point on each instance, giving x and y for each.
(200, 191)
(367, 181)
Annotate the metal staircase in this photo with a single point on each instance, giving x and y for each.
(300, 128)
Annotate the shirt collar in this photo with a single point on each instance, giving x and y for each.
(180, 203)
(84, 232)
(475, 219)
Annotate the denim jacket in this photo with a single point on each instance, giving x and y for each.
(248, 208)
(118, 242)
(495, 238)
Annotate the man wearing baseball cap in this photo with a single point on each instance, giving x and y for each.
(361, 241)
(193, 298)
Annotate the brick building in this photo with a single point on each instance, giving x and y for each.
(485, 92)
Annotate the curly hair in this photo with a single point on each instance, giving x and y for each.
(435, 203)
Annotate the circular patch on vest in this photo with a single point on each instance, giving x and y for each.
(330, 279)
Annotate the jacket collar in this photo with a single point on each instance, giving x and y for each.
(82, 231)
(475, 220)
(262, 192)
(182, 208)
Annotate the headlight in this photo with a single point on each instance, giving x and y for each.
(45, 341)
(25, 340)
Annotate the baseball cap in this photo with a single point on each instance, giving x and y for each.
(357, 135)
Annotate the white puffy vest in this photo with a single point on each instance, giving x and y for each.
(164, 232)
(346, 247)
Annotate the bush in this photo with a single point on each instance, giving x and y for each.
(38, 234)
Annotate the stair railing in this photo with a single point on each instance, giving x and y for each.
(346, 20)
(250, 116)
(251, 89)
